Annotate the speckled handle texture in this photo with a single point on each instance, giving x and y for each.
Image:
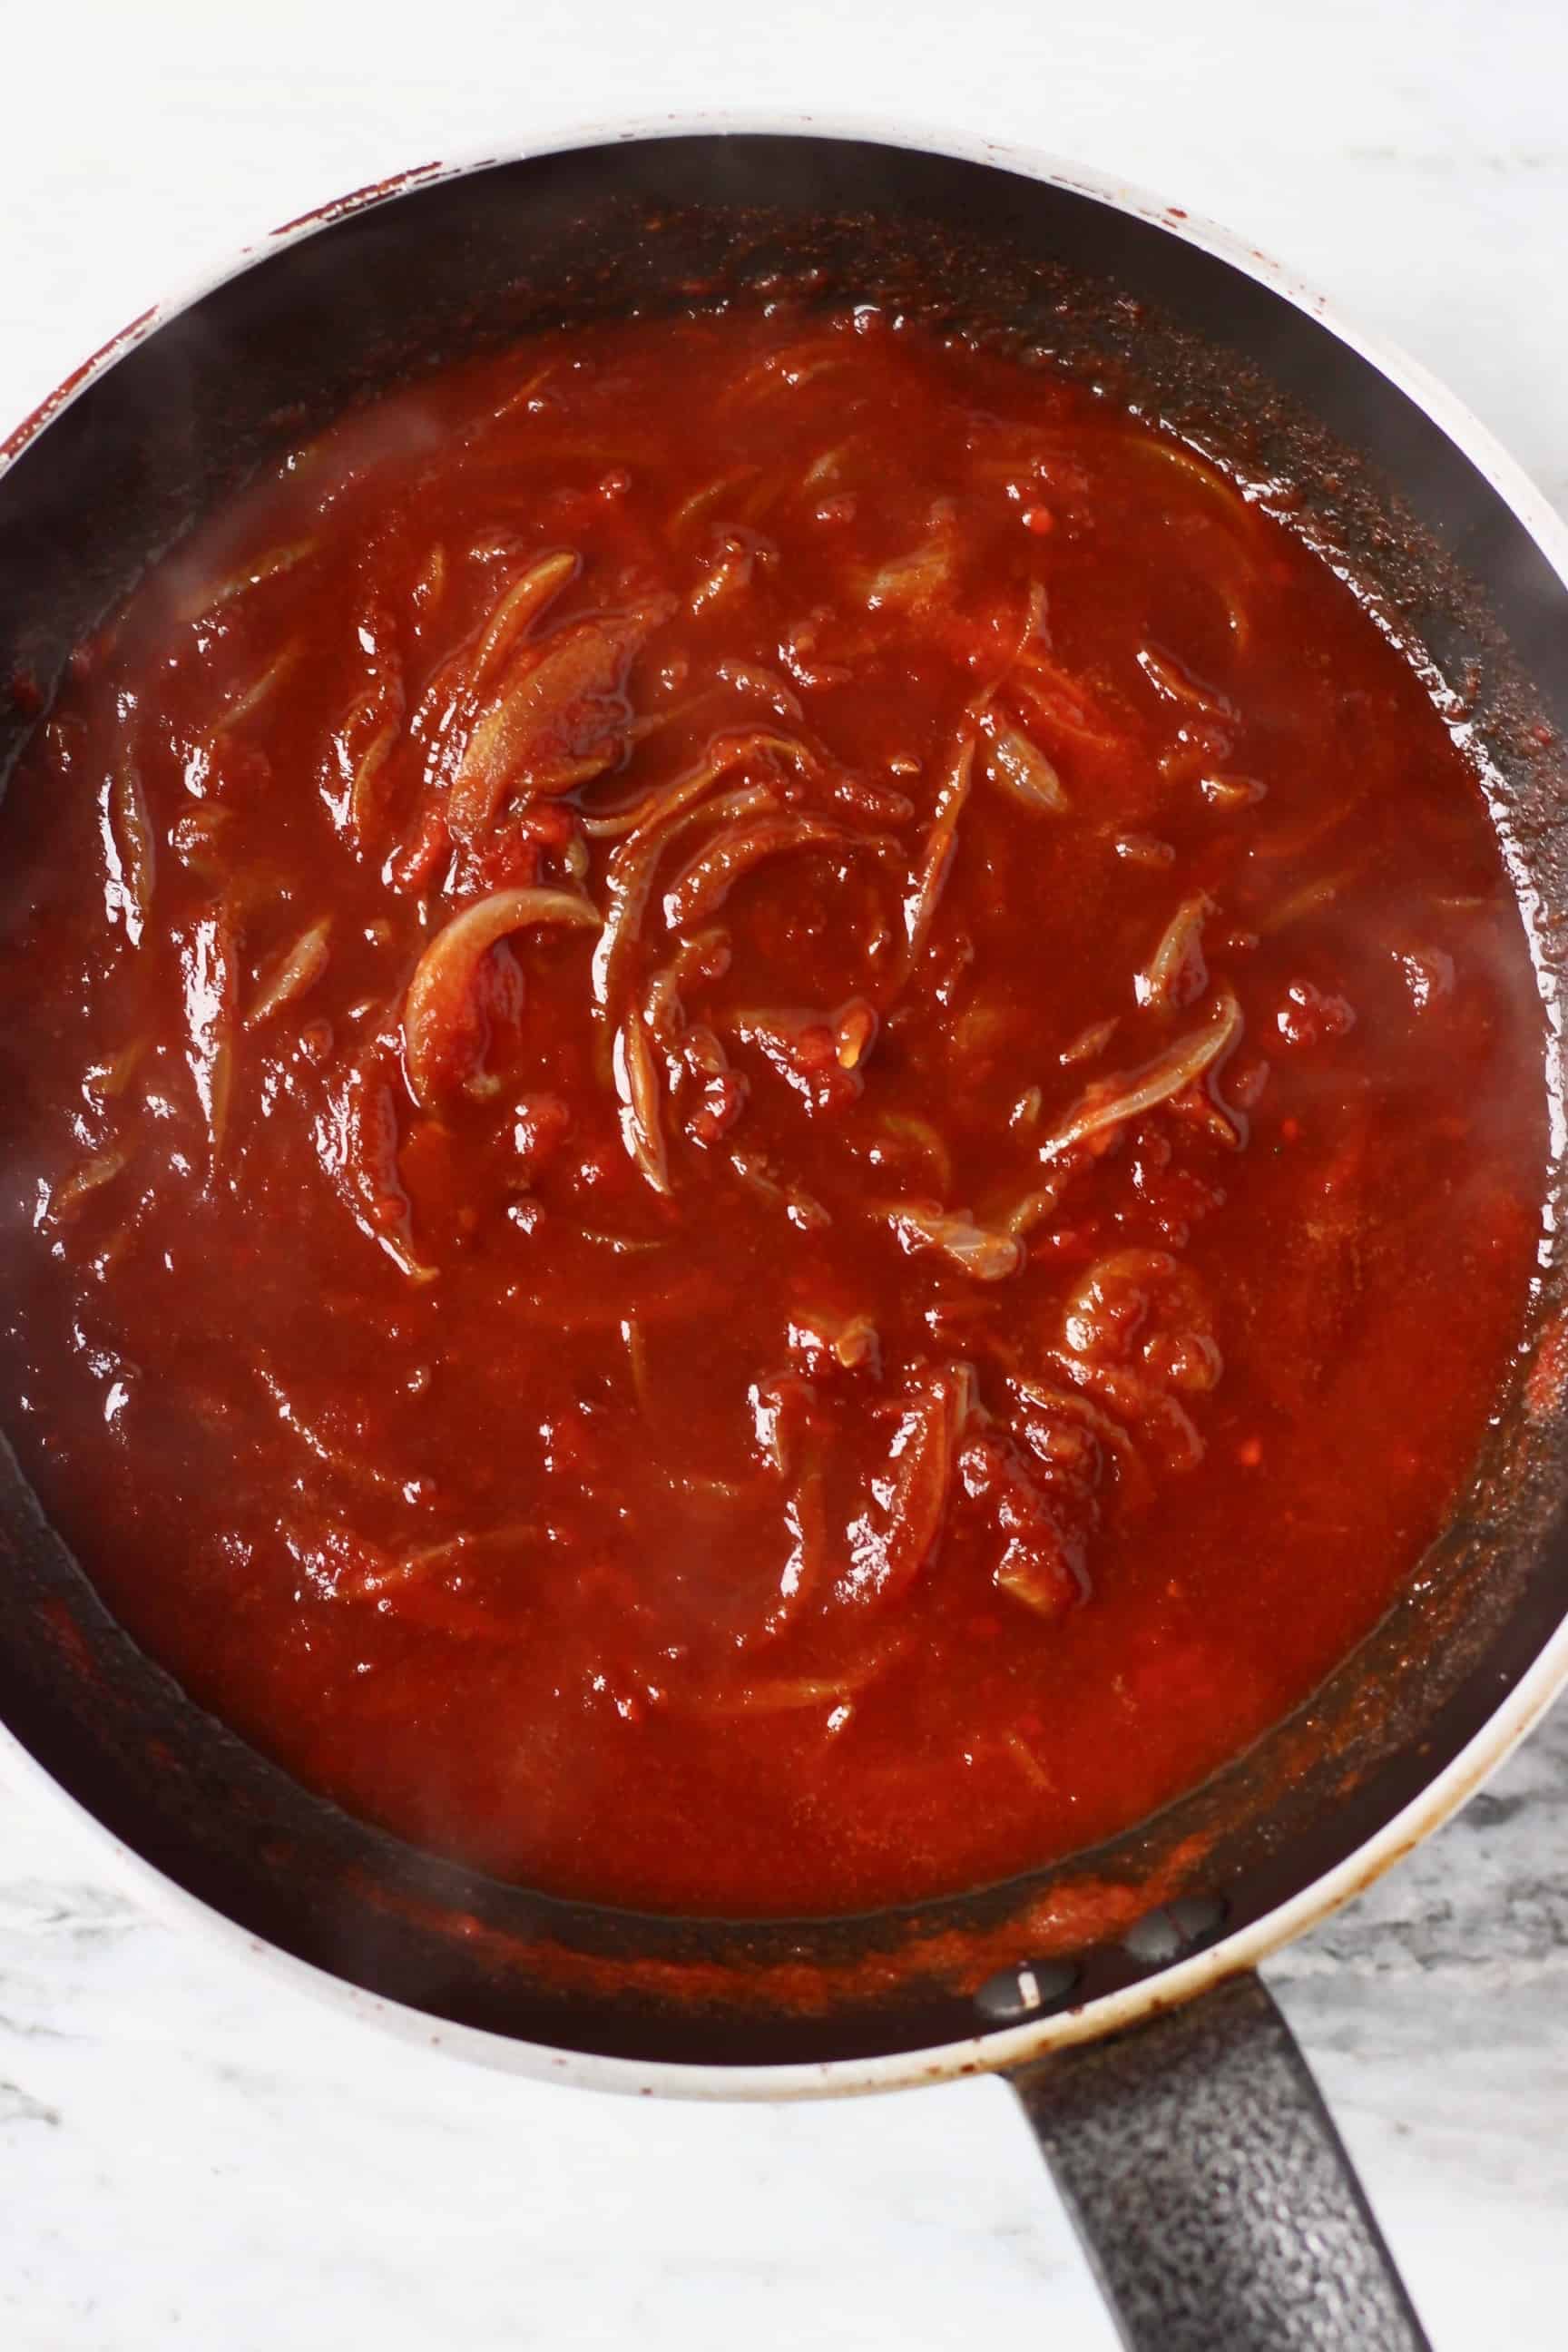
(1211, 2190)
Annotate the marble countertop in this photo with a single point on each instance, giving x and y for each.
(190, 2153)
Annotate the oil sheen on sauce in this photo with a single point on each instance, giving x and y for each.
(773, 1114)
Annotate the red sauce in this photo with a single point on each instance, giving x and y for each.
(929, 1332)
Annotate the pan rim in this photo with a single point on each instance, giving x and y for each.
(1450, 1789)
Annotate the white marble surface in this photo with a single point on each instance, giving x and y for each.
(191, 2155)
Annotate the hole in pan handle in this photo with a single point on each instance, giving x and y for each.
(1211, 2192)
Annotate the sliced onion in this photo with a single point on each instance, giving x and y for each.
(977, 1250)
(557, 716)
(1162, 1417)
(892, 1539)
(1230, 793)
(852, 1341)
(1021, 768)
(347, 1567)
(1087, 1042)
(922, 1136)
(514, 612)
(828, 468)
(1228, 495)
(556, 721)
(637, 1084)
(1112, 1102)
(805, 1566)
(789, 1695)
(1176, 973)
(786, 370)
(206, 602)
(65, 1199)
(438, 1012)
(1033, 631)
(253, 696)
(209, 982)
(751, 677)
(197, 839)
(1024, 1756)
(701, 888)
(110, 1078)
(356, 1142)
(941, 840)
(1144, 850)
(877, 802)
(693, 508)
(705, 956)
(1069, 1404)
(756, 1172)
(1132, 1306)
(131, 852)
(359, 747)
(629, 879)
(1169, 678)
(819, 1054)
(297, 970)
(725, 753)
(1056, 699)
(1038, 1205)
(317, 1440)
(729, 576)
(365, 781)
(431, 586)
(911, 582)
(1310, 897)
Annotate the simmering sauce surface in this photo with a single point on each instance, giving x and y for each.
(774, 1115)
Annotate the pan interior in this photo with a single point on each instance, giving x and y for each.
(455, 266)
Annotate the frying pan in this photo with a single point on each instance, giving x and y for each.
(1115, 1992)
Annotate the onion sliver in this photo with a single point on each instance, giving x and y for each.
(1021, 769)
(1111, 1102)
(438, 1012)
(921, 904)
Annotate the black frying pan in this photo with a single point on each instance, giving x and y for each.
(1190, 2142)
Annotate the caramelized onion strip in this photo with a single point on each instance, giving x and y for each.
(130, 850)
(208, 601)
(67, 1198)
(209, 977)
(756, 1173)
(668, 801)
(1112, 1102)
(941, 840)
(637, 1084)
(1175, 972)
(975, 1249)
(793, 1694)
(556, 718)
(1020, 769)
(925, 1453)
(515, 610)
(437, 1011)
(251, 698)
(297, 970)
(1069, 1404)
(356, 1142)
(701, 888)
(629, 879)
(317, 1440)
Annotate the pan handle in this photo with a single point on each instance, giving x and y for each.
(1211, 2192)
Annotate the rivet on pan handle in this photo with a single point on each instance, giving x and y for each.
(1210, 2189)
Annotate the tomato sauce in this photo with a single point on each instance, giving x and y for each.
(775, 1114)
